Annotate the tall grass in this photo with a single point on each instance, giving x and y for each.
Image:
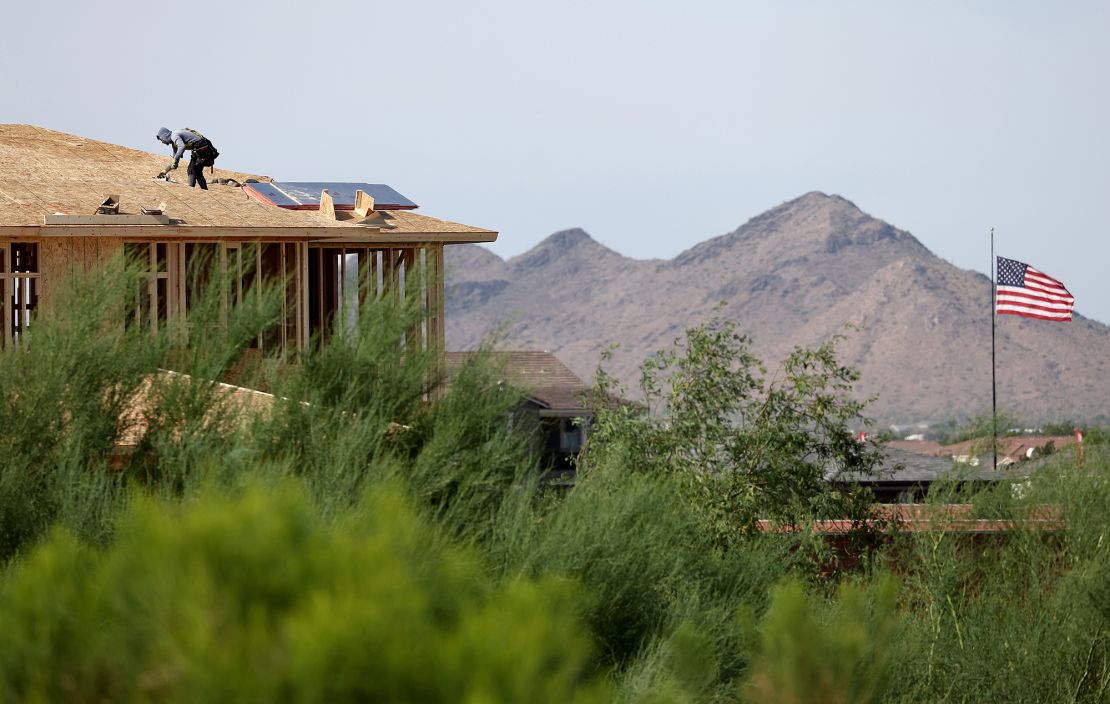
(375, 531)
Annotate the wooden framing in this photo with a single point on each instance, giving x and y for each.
(19, 280)
(434, 297)
(325, 282)
(343, 277)
(85, 204)
(336, 234)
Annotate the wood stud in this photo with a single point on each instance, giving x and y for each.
(390, 270)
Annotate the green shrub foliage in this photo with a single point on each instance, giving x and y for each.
(745, 446)
(255, 597)
(375, 532)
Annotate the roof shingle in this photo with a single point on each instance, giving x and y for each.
(540, 374)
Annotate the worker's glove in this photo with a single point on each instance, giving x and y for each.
(171, 166)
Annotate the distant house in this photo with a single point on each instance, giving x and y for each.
(554, 400)
(978, 453)
(69, 204)
(906, 477)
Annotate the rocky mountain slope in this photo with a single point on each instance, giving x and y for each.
(794, 275)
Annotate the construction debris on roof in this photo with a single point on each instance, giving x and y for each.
(47, 173)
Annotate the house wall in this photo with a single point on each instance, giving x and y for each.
(325, 283)
(59, 256)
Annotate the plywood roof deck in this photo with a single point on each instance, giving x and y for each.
(43, 172)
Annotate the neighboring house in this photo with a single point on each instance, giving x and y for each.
(68, 203)
(978, 453)
(906, 477)
(554, 399)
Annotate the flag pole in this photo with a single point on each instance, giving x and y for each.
(994, 385)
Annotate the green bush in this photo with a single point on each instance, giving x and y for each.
(837, 653)
(256, 598)
(377, 532)
(744, 446)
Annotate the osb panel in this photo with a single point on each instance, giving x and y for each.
(107, 247)
(55, 264)
(59, 257)
(43, 172)
(407, 222)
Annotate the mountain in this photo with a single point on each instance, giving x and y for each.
(794, 275)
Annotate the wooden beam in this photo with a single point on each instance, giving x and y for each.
(104, 219)
(162, 233)
(418, 238)
(302, 257)
(389, 272)
(434, 312)
(413, 284)
(435, 300)
(364, 203)
(6, 296)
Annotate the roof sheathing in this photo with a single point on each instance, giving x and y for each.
(43, 172)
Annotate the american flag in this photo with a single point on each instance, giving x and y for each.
(1022, 290)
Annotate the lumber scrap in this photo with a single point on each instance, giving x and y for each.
(364, 203)
(327, 205)
(159, 209)
(108, 206)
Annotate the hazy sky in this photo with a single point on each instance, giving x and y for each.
(652, 125)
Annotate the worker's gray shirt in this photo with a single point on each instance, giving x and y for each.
(182, 140)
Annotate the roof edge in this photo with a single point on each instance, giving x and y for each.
(337, 234)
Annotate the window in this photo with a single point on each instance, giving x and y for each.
(177, 275)
(156, 299)
(570, 436)
(19, 273)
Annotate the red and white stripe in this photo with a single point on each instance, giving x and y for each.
(1041, 297)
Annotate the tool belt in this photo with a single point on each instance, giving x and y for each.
(204, 153)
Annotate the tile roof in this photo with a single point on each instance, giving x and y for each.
(541, 375)
(43, 172)
(1012, 446)
(902, 467)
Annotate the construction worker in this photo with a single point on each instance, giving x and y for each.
(202, 153)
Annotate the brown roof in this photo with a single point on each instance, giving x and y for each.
(43, 172)
(920, 447)
(541, 375)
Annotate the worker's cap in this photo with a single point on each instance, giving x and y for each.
(164, 134)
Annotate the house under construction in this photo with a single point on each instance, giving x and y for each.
(69, 204)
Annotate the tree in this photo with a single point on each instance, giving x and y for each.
(745, 446)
